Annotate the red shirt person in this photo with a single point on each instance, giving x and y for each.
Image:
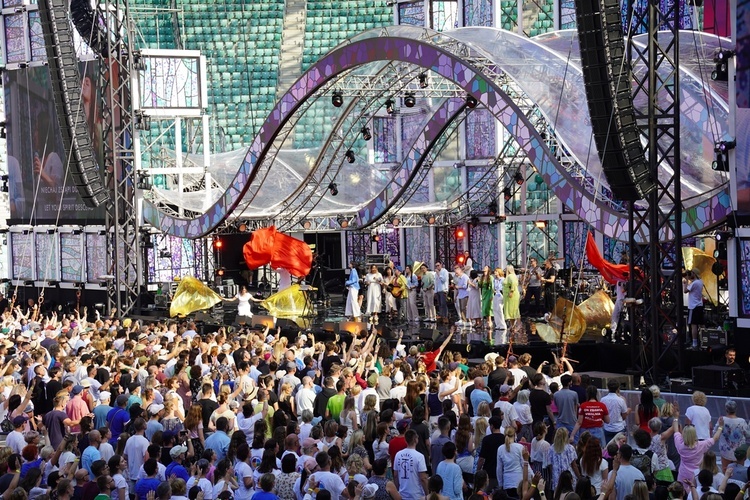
(429, 358)
(592, 415)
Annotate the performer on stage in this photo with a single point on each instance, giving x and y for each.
(533, 287)
(461, 282)
(693, 286)
(497, 300)
(468, 263)
(243, 299)
(412, 282)
(549, 279)
(442, 280)
(373, 279)
(621, 291)
(389, 280)
(352, 303)
(511, 297)
(486, 288)
(400, 292)
(428, 293)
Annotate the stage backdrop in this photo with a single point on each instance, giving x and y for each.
(36, 158)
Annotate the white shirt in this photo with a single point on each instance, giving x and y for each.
(701, 418)
(243, 470)
(205, 485)
(616, 406)
(441, 280)
(247, 425)
(409, 464)
(135, 451)
(509, 465)
(398, 392)
(305, 399)
(364, 394)
(695, 294)
(510, 416)
(332, 482)
(15, 441)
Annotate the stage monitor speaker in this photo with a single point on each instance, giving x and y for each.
(244, 320)
(385, 332)
(477, 349)
(330, 326)
(353, 327)
(429, 334)
(718, 377)
(606, 75)
(288, 326)
(261, 321)
(602, 379)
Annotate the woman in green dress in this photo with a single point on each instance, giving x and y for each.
(511, 298)
(487, 290)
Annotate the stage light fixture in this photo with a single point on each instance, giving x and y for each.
(350, 156)
(720, 163)
(724, 146)
(4, 188)
(722, 236)
(307, 223)
(343, 222)
(389, 106)
(3, 133)
(144, 181)
(218, 244)
(540, 224)
(459, 234)
(366, 135)
(375, 238)
(423, 82)
(461, 259)
(471, 101)
(721, 60)
(242, 227)
(220, 272)
(337, 99)
(492, 208)
(518, 177)
(507, 194)
(395, 221)
(431, 220)
(410, 100)
(333, 188)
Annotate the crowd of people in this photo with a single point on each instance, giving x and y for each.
(125, 410)
(483, 300)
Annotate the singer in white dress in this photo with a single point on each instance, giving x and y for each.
(374, 279)
(243, 299)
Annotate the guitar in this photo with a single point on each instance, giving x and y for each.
(395, 290)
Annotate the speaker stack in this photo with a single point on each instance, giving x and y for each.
(606, 74)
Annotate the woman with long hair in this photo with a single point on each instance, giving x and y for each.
(561, 456)
(564, 485)
(357, 447)
(330, 438)
(389, 280)
(523, 409)
(691, 450)
(348, 416)
(584, 489)
(487, 290)
(267, 466)
(480, 430)
(117, 465)
(592, 415)
(498, 279)
(435, 485)
(593, 465)
(481, 481)
(413, 397)
(510, 463)
(646, 410)
(286, 400)
(284, 486)
(640, 490)
(238, 437)
(172, 419)
(464, 444)
(380, 445)
(373, 280)
(194, 426)
(708, 464)
(222, 411)
(474, 305)
(225, 478)
(511, 298)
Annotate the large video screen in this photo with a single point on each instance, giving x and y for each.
(38, 189)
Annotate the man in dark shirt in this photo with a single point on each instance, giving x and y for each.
(578, 387)
(540, 400)
(330, 358)
(524, 362)
(488, 456)
(321, 399)
(91, 489)
(731, 356)
(497, 377)
(208, 405)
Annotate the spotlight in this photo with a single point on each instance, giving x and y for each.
(722, 236)
(507, 194)
(4, 178)
(395, 221)
(721, 59)
(343, 222)
(724, 146)
(518, 177)
(333, 188)
(242, 227)
(366, 135)
(307, 223)
(389, 106)
(540, 224)
(410, 100)
(492, 208)
(220, 272)
(459, 234)
(147, 241)
(431, 220)
(460, 259)
(349, 156)
(144, 181)
(721, 163)
(337, 99)
(218, 244)
(423, 83)
(471, 102)
(163, 254)
(375, 238)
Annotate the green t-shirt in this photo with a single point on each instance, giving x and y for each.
(335, 405)
(101, 496)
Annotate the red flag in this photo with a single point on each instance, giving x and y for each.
(281, 250)
(610, 272)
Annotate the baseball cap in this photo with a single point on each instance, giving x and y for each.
(369, 490)
(398, 377)
(85, 383)
(402, 425)
(453, 366)
(104, 396)
(360, 478)
(740, 453)
(19, 421)
(504, 389)
(308, 443)
(512, 359)
(77, 390)
(155, 408)
(121, 400)
(178, 450)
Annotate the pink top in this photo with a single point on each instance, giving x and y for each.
(76, 410)
(690, 458)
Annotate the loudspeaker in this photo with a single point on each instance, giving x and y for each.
(244, 320)
(288, 327)
(353, 327)
(601, 379)
(261, 320)
(66, 91)
(606, 74)
(88, 23)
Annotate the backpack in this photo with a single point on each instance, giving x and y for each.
(642, 461)
(6, 426)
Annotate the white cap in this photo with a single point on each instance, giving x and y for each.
(398, 377)
(104, 396)
(360, 478)
(155, 408)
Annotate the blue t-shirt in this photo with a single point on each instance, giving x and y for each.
(25, 468)
(100, 416)
(117, 418)
(143, 486)
(178, 470)
(453, 480)
(462, 284)
(90, 455)
(477, 397)
(265, 495)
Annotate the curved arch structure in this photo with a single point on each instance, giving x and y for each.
(470, 58)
